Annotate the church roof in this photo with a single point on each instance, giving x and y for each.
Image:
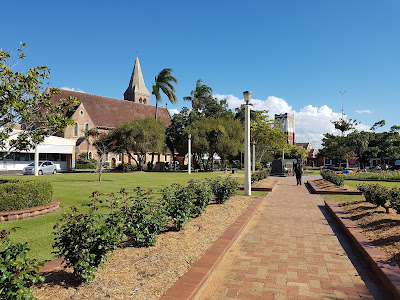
(137, 82)
(110, 112)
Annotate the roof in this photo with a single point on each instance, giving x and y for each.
(304, 145)
(110, 112)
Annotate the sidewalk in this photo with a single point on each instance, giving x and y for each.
(289, 250)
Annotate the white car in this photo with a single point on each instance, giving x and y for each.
(45, 167)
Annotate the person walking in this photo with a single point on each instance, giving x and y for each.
(298, 169)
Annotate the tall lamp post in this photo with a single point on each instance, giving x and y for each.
(254, 156)
(189, 153)
(247, 176)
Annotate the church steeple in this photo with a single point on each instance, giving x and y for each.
(137, 91)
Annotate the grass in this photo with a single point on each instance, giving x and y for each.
(354, 183)
(74, 190)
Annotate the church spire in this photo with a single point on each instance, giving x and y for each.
(137, 91)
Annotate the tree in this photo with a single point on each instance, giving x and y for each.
(164, 82)
(104, 144)
(222, 136)
(25, 104)
(138, 137)
(344, 125)
(176, 139)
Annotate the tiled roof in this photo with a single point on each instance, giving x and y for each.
(109, 112)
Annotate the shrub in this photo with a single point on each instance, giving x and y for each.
(85, 240)
(178, 201)
(202, 196)
(128, 167)
(17, 271)
(223, 189)
(258, 166)
(375, 193)
(332, 176)
(395, 199)
(85, 166)
(142, 218)
(259, 175)
(16, 195)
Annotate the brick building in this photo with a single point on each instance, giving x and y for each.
(105, 113)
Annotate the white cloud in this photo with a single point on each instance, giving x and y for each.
(311, 122)
(364, 111)
(72, 89)
(173, 111)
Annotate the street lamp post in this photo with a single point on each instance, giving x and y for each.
(247, 176)
(189, 154)
(254, 156)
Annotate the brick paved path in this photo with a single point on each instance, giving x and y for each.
(289, 251)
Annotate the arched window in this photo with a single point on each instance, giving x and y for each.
(76, 129)
(90, 155)
(87, 127)
(144, 101)
(140, 100)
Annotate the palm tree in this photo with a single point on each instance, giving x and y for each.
(163, 82)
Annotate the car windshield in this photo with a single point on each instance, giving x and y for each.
(33, 164)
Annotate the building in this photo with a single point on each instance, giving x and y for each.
(312, 154)
(286, 123)
(105, 113)
(59, 150)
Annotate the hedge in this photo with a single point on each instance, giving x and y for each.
(16, 195)
(84, 166)
(332, 176)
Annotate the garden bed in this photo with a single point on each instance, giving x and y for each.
(322, 186)
(266, 185)
(13, 215)
(374, 234)
(147, 273)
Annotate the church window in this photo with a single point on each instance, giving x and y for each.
(81, 112)
(144, 101)
(90, 155)
(87, 127)
(140, 100)
(76, 129)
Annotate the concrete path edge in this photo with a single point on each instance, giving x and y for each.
(387, 272)
(191, 283)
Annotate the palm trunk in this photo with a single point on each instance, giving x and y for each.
(152, 154)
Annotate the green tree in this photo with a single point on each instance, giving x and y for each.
(164, 83)
(176, 138)
(222, 136)
(138, 137)
(25, 104)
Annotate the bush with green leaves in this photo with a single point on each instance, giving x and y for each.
(375, 193)
(89, 166)
(259, 175)
(332, 176)
(202, 196)
(395, 199)
(16, 195)
(85, 240)
(258, 166)
(142, 217)
(178, 201)
(223, 189)
(17, 272)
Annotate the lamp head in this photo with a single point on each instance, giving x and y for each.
(247, 96)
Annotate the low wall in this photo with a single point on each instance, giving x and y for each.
(13, 215)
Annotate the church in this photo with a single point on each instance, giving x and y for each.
(105, 113)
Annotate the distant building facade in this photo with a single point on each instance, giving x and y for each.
(286, 123)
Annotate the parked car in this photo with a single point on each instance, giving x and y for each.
(45, 167)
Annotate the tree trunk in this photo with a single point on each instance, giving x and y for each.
(100, 165)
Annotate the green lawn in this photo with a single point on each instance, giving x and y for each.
(354, 183)
(74, 190)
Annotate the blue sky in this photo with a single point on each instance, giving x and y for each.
(294, 56)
